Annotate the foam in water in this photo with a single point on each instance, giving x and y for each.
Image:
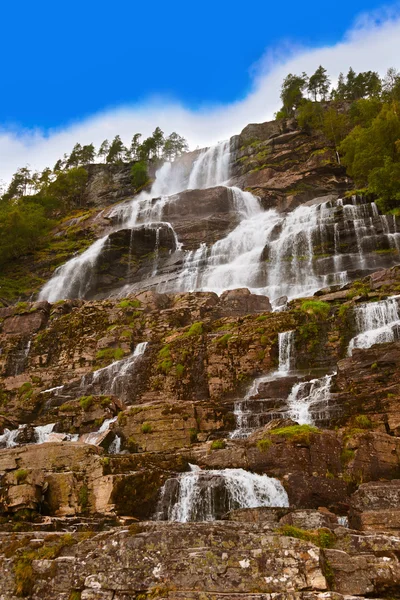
(377, 323)
(308, 398)
(202, 495)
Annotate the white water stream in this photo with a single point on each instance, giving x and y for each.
(206, 495)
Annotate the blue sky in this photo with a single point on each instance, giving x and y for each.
(64, 61)
(82, 72)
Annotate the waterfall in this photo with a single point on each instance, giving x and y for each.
(211, 168)
(113, 378)
(208, 495)
(115, 446)
(42, 433)
(9, 437)
(376, 323)
(286, 351)
(72, 279)
(308, 401)
(96, 437)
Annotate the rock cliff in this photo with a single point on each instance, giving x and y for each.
(204, 403)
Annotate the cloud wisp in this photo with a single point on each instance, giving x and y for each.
(372, 44)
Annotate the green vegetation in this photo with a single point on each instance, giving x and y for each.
(139, 174)
(195, 329)
(363, 422)
(361, 117)
(83, 497)
(24, 575)
(86, 402)
(107, 355)
(129, 304)
(264, 444)
(316, 307)
(296, 433)
(223, 340)
(21, 475)
(146, 428)
(165, 362)
(218, 445)
(324, 538)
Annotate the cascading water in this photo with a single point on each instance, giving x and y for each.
(377, 323)
(72, 280)
(208, 495)
(113, 378)
(96, 436)
(286, 351)
(9, 437)
(43, 432)
(308, 401)
(211, 168)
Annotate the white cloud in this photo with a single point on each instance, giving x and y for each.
(372, 44)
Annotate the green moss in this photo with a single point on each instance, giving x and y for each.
(179, 371)
(296, 433)
(323, 538)
(347, 455)
(223, 340)
(262, 318)
(110, 354)
(75, 595)
(264, 444)
(316, 307)
(129, 304)
(86, 402)
(195, 329)
(363, 422)
(83, 497)
(146, 428)
(21, 475)
(218, 445)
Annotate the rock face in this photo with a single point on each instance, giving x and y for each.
(285, 166)
(194, 445)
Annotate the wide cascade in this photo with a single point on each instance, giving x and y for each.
(268, 252)
(376, 323)
(209, 495)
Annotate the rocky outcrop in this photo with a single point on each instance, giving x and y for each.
(286, 166)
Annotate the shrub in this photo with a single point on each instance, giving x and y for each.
(146, 428)
(218, 445)
(139, 174)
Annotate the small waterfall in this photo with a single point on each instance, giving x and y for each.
(115, 446)
(286, 351)
(211, 168)
(112, 379)
(96, 437)
(9, 438)
(43, 432)
(208, 495)
(377, 323)
(308, 402)
(72, 280)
